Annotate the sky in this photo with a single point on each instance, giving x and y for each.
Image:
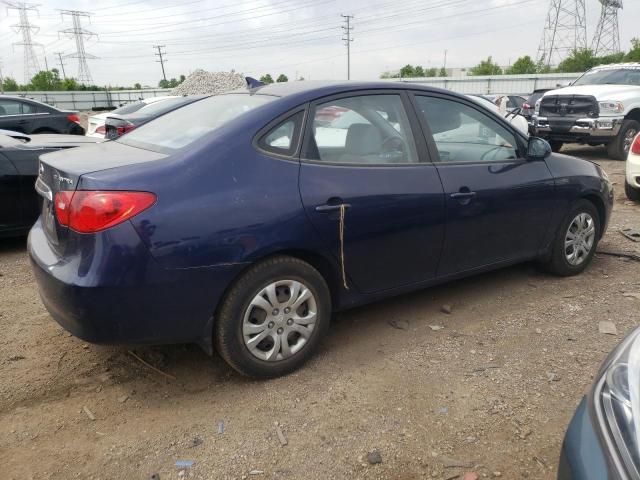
(300, 38)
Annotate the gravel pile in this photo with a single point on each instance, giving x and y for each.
(202, 82)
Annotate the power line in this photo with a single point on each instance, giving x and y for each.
(347, 39)
(59, 54)
(161, 61)
(31, 64)
(79, 34)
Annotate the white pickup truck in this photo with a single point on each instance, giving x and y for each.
(600, 107)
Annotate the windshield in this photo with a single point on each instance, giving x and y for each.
(611, 76)
(183, 126)
(129, 108)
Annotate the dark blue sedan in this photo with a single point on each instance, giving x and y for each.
(242, 221)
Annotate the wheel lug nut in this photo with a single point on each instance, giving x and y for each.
(287, 310)
(290, 321)
(280, 330)
(275, 311)
(271, 324)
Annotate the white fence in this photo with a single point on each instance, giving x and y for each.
(512, 84)
(508, 84)
(86, 100)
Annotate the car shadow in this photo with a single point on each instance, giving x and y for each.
(13, 245)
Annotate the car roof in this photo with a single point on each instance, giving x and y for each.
(23, 99)
(613, 66)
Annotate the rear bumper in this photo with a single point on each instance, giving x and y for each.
(113, 292)
(580, 129)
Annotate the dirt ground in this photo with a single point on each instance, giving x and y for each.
(491, 391)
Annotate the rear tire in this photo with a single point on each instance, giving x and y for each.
(632, 193)
(618, 148)
(573, 247)
(556, 145)
(273, 318)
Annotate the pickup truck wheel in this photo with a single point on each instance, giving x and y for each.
(556, 145)
(619, 147)
(632, 194)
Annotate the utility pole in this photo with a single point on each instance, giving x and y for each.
(444, 66)
(162, 60)
(347, 39)
(1, 79)
(79, 33)
(31, 65)
(64, 75)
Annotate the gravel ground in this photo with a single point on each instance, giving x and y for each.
(491, 391)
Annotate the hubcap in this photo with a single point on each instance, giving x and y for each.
(628, 139)
(579, 239)
(279, 320)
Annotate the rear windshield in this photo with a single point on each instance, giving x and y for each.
(129, 108)
(183, 126)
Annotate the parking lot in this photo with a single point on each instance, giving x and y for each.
(489, 387)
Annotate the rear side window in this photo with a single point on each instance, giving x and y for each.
(283, 138)
(182, 127)
(10, 107)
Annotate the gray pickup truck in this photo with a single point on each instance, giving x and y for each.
(602, 107)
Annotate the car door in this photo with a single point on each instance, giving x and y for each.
(10, 212)
(497, 202)
(361, 152)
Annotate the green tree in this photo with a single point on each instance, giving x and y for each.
(522, 66)
(389, 74)
(282, 78)
(46, 80)
(431, 72)
(407, 71)
(579, 61)
(634, 54)
(137, 86)
(10, 85)
(418, 71)
(163, 83)
(182, 78)
(69, 84)
(486, 67)
(266, 78)
(443, 72)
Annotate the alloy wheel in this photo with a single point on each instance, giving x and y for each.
(579, 239)
(279, 320)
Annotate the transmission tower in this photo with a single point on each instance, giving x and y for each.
(79, 33)
(31, 64)
(606, 41)
(347, 39)
(162, 59)
(565, 30)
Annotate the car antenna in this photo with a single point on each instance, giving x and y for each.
(253, 83)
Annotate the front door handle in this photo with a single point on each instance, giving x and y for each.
(331, 208)
(463, 195)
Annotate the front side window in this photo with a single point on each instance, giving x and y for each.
(463, 134)
(367, 129)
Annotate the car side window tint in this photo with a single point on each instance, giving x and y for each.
(463, 134)
(10, 107)
(29, 108)
(366, 129)
(283, 138)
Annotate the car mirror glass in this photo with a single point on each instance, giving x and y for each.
(538, 149)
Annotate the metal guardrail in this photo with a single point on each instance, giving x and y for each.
(87, 100)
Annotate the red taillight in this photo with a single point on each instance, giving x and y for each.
(526, 105)
(126, 128)
(102, 129)
(73, 118)
(91, 211)
(635, 148)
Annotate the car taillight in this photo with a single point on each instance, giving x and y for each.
(89, 211)
(73, 118)
(526, 105)
(126, 128)
(635, 148)
(101, 129)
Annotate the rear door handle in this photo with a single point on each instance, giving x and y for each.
(463, 195)
(331, 208)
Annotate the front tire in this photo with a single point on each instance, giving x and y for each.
(576, 241)
(619, 147)
(273, 318)
(632, 194)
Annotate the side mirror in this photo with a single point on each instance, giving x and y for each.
(538, 149)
